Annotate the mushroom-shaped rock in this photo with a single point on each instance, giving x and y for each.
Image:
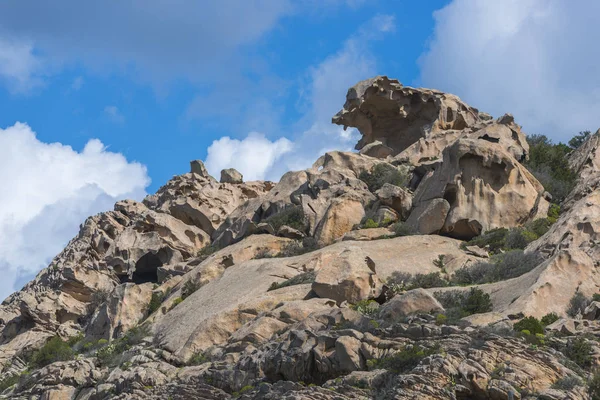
(413, 301)
(349, 276)
(231, 175)
(485, 188)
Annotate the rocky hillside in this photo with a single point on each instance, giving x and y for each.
(431, 264)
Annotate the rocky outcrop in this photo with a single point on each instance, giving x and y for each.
(328, 199)
(413, 301)
(231, 175)
(416, 125)
(478, 187)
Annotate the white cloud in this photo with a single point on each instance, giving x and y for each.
(537, 59)
(328, 84)
(48, 189)
(77, 83)
(253, 156)
(113, 113)
(19, 68)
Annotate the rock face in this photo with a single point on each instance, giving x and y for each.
(416, 125)
(484, 188)
(299, 290)
(349, 277)
(231, 175)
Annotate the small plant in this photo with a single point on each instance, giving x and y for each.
(381, 174)
(198, 359)
(155, 301)
(366, 307)
(207, 251)
(427, 281)
(8, 381)
(530, 324)
(291, 216)
(54, 350)
(596, 297)
(176, 302)
(439, 262)
(300, 279)
(567, 383)
(579, 351)
(404, 360)
(440, 319)
(577, 304)
(299, 247)
(549, 319)
(504, 266)
(594, 386)
(460, 304)
(370, 224)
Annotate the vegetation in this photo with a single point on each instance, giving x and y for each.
(548, 162)
(404, 360)
(577, 304)
(577, 140)
(381, 174)
(370, 224)
(110, 354)
(594, 386)
(294, 248)
(549, 319)
(198, 359)
(501, 267)
(207, 251)
(503, 239)
(291, 216)
(54, 350)
(529, 324)
(579, 351)
(460, 304)
(155, 301)
(176, 302)
(189, 287)
(567, 383)
(8, 381)
(300, 279)
(369, 308)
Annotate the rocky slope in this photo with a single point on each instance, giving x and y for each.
(310, 288)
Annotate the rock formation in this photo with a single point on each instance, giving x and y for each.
(329, 284)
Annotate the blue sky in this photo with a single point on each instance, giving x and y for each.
(101, 101)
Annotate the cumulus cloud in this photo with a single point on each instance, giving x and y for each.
(328, 83)
(537, 59)
(253, 156)
(48, 189)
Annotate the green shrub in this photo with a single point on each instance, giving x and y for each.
(300, 279)
(110, 354)
(198, 359)
(381, 174)
(403, 229)
(176, 302)
(459, 304)
(299, 247)
(206, 251)
(440, 319)
(548, 162)
(567, 383)
(54, 350)
(579, 351)
(155, 301)
(291, 216)
(369, 308)
(404, 360)
(553, 213)
(8, 381)
(440, 263)
(495, 239)
(370, 224)
(427, 281)
(594, 386)
(549, 319)
(530, 324)
(596, 297)
(579, 139)
(501, 267)
(577, 304)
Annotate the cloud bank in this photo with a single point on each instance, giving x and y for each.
(48, 189)
(537, 59)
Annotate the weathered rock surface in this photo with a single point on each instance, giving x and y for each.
(413, 301)
(485, 188)
(231, 175)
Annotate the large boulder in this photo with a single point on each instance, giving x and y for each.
(485, 188)
(416, 124)
(413, 301)
(348, 277)
(231, 175)
(397, 198)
